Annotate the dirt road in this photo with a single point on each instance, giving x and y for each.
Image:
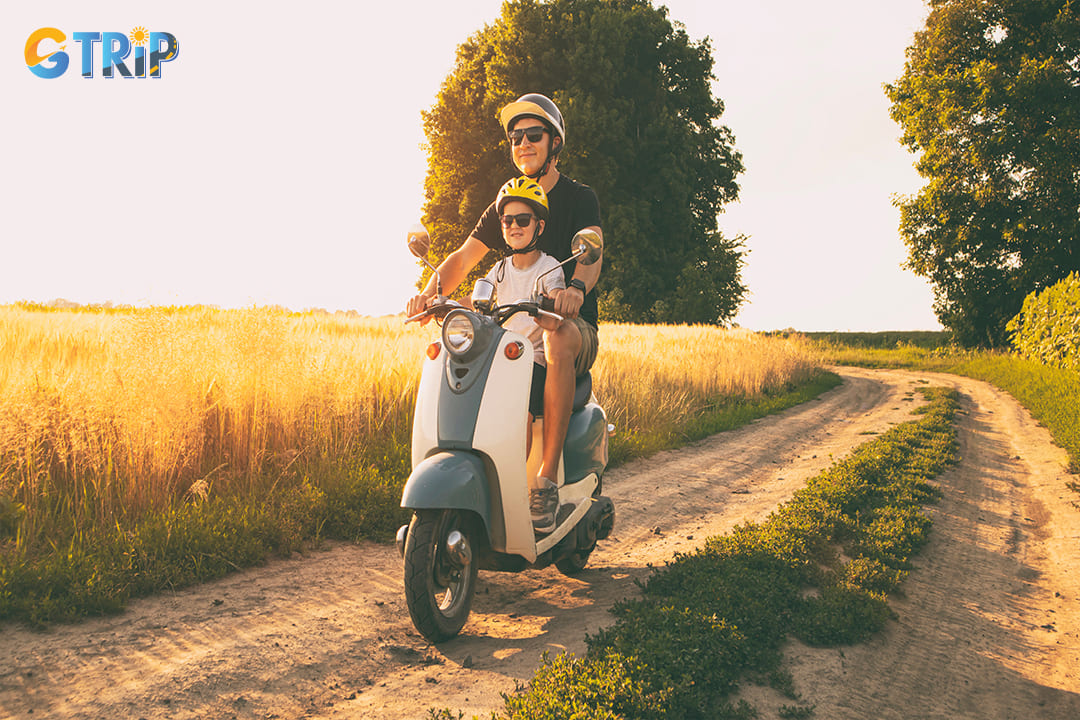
(988, 624)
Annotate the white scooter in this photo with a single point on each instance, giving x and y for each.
(469, 485)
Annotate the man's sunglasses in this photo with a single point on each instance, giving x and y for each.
(533, 133)
(522, 220)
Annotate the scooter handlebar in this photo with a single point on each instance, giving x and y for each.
(532, 308)
(439, 309)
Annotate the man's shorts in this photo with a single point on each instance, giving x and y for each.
(590, 343)
(582, 363)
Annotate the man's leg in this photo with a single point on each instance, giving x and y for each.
(560, 348)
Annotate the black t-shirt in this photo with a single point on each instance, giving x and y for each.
(573, 207)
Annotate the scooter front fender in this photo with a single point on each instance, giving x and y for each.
(451, 479)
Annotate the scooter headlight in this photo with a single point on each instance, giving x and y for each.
(458, 333)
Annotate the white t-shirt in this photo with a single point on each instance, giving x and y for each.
(516, 285)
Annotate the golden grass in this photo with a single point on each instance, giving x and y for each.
(661, 373)
(117, 412)
(104, 415)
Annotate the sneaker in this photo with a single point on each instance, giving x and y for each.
(542, 504)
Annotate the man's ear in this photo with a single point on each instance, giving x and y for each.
(556, 144)
(540, 224)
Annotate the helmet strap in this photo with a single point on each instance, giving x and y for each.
(553, 152)
(528, 248)
(542, 171)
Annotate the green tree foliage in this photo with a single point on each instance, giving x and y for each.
(1048, 328)
(642, 131)
(990, 100)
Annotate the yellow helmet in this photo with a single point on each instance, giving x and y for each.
(528, 191)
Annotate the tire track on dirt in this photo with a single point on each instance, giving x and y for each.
(328, 635)
(988, 622)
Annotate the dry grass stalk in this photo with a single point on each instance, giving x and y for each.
(113, 413)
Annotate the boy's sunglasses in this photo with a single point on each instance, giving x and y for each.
(533, 133)
(522, 220)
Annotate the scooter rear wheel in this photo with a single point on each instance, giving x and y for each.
(440, 571)
(573, 564)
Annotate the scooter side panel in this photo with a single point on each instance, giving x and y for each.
(449, 480)
(586, 450)
(500, 434)
(425, 434)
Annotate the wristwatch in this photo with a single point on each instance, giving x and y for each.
(576, 283)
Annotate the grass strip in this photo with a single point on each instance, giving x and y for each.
(819, 567)
(90, 572)
(1048, 393)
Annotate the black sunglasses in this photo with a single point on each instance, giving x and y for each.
(534, 134)
(522, 219)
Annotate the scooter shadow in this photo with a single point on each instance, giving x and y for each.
(517, 617)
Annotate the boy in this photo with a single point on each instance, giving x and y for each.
(523, 209)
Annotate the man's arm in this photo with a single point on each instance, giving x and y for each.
(568, 302)
(453, 270)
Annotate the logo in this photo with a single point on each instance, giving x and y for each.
(46, 54)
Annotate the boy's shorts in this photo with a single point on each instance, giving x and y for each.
(536, 394)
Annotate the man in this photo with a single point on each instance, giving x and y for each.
(536, 131)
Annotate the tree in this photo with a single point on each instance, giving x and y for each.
(642, 131)
(990, 100)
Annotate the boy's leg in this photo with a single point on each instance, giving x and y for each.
(536, 410)
(543, 494)
(528, 435)
(561, 349)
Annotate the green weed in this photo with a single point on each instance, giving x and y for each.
(1049, 393)
(818, 568)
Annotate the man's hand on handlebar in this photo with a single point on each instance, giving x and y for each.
(416, 305)
(568, 302)
(545, 316)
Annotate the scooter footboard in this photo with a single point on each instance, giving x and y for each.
(449, 480)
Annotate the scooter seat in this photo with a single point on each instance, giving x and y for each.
(582, 391)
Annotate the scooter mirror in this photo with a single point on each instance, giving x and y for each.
(419, 241)
(483, 295)
(589, 244)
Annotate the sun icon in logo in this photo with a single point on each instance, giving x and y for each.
(139, 36)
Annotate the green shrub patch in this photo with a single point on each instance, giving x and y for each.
(819, 568)
(1048, 327)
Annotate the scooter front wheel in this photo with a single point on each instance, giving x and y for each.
(440, 571)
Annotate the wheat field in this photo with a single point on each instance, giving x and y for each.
(106, 414)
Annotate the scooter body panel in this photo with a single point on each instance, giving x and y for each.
(453, 479)
(485, 416)
(425, 432)
(500, 434)
(585, 451)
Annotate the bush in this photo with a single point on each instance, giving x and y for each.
(1048, 327)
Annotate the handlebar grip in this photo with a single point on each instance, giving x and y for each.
(547, 303)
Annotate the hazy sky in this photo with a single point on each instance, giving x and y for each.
(277, 160)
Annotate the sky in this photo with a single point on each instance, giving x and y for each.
(279, 160)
